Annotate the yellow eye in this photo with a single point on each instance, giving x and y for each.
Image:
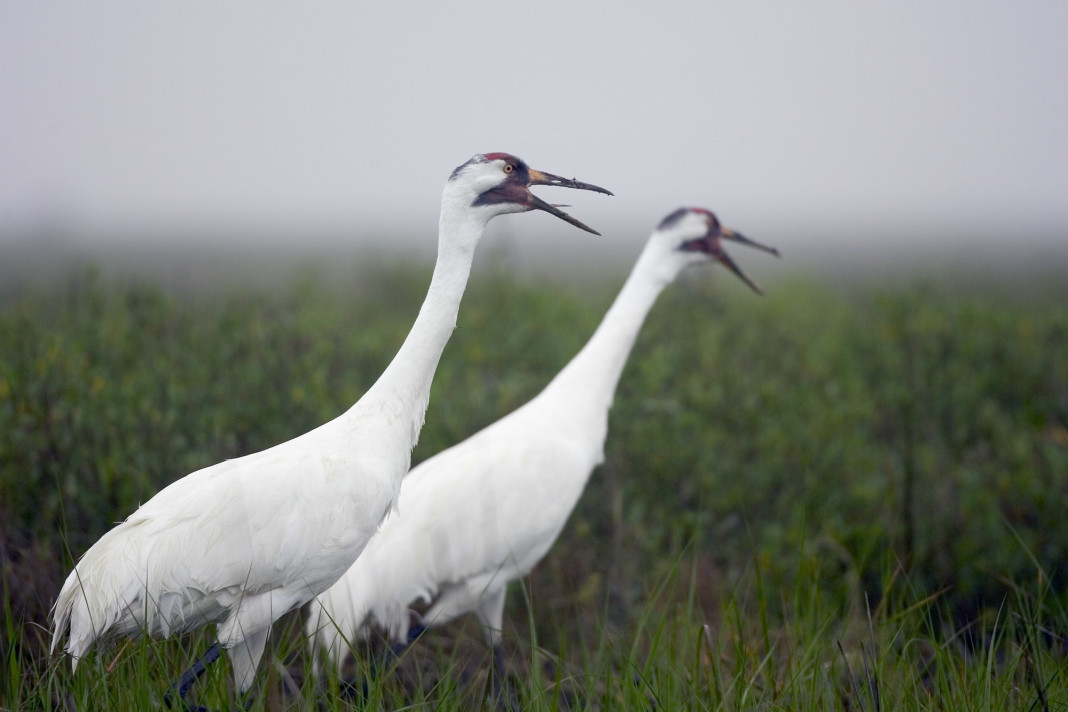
(508, 167)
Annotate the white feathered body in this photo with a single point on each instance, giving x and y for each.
(482, 513)
(240, 543)
(232, 544)
(468, 521)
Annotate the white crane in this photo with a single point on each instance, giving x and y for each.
(241, 543)
(482, 513)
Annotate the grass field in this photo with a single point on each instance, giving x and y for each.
(819, 499)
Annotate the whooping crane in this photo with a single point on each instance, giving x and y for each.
(482, 513)
(241, 543)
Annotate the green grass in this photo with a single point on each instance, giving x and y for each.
(816, 500)
(676, 654)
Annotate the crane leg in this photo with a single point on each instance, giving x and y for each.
(190, 676)
(504, 698)
(392, 656)
(413, 635)
(498, 663)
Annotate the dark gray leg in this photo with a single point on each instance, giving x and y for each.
(498, 663)
(393, 652)
(413, 635)
(189, 677)
(504, 698)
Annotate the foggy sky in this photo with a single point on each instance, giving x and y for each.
(820, 117)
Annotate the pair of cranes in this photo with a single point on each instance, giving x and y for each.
(241, 543)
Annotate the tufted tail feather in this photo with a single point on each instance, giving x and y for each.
(366, 596)
(337, 620)
(107, 595)
(76, 615)
(61, 611)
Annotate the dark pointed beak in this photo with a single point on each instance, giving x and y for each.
(714, 247)
(729, 234)
(540, 178)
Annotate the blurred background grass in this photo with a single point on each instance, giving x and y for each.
(919, 427)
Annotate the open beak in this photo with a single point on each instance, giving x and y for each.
(729, 234)
(714, 247)
(540, 178)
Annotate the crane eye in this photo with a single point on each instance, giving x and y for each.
(508, 167)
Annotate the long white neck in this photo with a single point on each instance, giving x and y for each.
(589, 380)
(403, 389)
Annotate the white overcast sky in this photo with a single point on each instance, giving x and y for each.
(812, 117)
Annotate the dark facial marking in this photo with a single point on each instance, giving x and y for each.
(519, 171)
(700, 244)
(514, 187)
(679, 214)
(670, 220)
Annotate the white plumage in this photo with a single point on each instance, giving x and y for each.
(482, 513)
(240, 543)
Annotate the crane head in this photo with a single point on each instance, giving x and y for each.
(703, 235)
(503, 180)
